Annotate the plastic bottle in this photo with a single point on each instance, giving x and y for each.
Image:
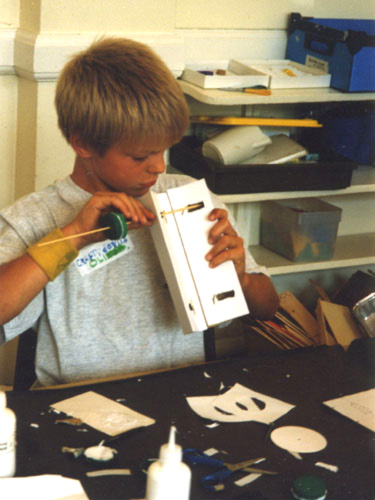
(7, 439)
(169, 478)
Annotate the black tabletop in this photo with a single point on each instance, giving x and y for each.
(304, 377)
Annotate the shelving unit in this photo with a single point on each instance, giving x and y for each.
(219, 97)
(351, 250)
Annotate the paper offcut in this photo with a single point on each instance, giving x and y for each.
(102, 413)
(359, 407)
(239, 404)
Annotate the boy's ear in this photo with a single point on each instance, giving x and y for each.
(79, 147)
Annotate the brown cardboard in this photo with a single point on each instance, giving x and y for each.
(338, 320)
(300, 314)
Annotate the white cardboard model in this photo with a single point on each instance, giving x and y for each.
(202, 296)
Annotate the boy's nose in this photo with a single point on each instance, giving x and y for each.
(157, 163)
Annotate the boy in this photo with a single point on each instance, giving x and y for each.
(120, 109)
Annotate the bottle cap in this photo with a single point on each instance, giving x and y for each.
(171, 452)
(118, 227)
(309, 488)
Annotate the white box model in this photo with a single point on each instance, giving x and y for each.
(285, 74)
(236, 75)
(202, 296)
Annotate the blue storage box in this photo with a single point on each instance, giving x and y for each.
(345, 48)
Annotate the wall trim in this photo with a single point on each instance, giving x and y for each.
(41, 56)
(7, 37)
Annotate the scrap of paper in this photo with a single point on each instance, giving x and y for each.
(359, 407)
(45, 487)
(102, 413)
(332, 468)
(239, 404)
(108, 472)
(297, 439)
(247, 479)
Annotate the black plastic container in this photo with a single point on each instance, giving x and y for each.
(331, 172)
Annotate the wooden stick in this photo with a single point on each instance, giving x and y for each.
(73, 236)
(188, 207)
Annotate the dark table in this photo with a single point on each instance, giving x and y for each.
(304, 377)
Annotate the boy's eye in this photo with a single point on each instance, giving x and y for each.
(139, 158)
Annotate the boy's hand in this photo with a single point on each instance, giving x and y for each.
(101, 203)
(227, 245)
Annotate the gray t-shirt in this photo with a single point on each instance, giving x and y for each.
(110, 312)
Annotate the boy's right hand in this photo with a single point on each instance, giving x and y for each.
(100, 204)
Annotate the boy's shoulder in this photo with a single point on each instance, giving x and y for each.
(37, 213)
(64, 190)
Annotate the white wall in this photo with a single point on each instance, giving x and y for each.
(181, 30)
(8, 114)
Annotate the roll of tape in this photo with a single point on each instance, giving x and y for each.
(118, 227)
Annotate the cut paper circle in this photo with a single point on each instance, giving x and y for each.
(298, 439)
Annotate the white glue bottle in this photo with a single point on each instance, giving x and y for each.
(169, 477)
(7, 439)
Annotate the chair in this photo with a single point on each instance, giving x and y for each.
(24, 375)
(209, 344)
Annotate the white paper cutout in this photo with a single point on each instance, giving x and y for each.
(45, 487)
(295, 454)
(103, 413)
(298, 439)
(211, 451)
(247, 479)
(332, 468)
(359, 407)
(239, 404)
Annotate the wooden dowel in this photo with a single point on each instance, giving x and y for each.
(188, 207)
(73, 236)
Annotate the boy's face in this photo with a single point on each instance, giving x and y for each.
(133, 173)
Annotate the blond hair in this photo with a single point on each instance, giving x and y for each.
(119, 91)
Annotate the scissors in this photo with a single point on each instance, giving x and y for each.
(214, 481)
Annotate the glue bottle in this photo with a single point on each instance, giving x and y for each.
(169, 478)
(7, 439)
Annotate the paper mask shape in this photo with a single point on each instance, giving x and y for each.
(239, 404)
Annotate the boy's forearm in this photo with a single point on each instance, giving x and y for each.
(20, 282)
(261, 296)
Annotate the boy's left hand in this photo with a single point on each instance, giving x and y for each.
(227, 245)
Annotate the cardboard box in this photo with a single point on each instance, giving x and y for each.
(345, 48)
(303, 230)
(202, 296)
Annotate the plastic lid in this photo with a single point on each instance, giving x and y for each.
(309, 488)
(3, 400)
(171, 452)
(117, 223)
